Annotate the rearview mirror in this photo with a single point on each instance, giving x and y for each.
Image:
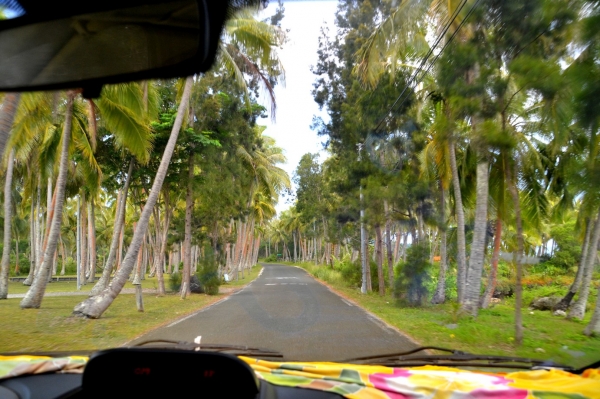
(140, 40)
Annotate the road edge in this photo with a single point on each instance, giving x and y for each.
(196, 311)
(368, 312)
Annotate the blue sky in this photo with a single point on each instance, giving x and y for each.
(295, 104)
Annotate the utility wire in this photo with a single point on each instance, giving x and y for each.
(431, 49)
(419, 69)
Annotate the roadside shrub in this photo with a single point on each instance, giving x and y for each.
(208, 274)
(271, 258)
(327, 274)
(175, 282)
(70, 266)
(351, 273)
(412, 277)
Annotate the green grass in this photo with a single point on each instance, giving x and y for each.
(490, 333)
(53, 328)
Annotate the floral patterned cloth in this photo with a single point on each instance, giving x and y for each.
(355, 381)
(13, 366)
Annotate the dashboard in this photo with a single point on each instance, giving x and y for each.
(63, 386)
(155, 373)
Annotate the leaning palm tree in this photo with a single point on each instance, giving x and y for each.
(34, 296)
(7, 226)
(247, 47)
(95, 306)
(126, 110)
(7, 116)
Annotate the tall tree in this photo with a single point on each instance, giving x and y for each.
(95, 306)
(33, 298)
(4, 267)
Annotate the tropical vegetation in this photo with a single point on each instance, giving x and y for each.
(461, 137)
(156, 177)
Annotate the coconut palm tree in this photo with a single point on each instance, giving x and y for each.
(7, 226)
(400, 42)
(7, 116)
(96, 305)
(34, 296)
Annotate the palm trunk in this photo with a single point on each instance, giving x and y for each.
(92, 240)
(491, 285)
(398, 235)
(295, 251)
(565, 302)
(593, 328)
(461, 259)
(95, 306)
(84, 239)
(7, 116)
(49, 214)
(163, 248)
(32, 246)
(78, 243)
(17, 269)
(388, 245)
(116, 235)
(440, 292)
(473, 278)
(63, 255)
(39, 229)
(379, 252)
(512, 188)
(187, 243)
(7, 226)
(578, 309)
(33, 298)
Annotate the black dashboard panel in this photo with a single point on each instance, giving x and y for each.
(43, 386)
(68, 386)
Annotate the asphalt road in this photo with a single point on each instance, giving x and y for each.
(286, 310)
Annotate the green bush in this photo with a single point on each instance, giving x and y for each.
(327, 274)
(208, 274)
(175, 282)
(70, 266)
(271, 258)
(350, 272)
(413, 276)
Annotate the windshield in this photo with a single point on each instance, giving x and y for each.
(350, 179)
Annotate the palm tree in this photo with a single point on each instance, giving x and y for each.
(95, 306)
(399, 41)
(34, 296)
(126, 110)
(7, 116)
(7, 226)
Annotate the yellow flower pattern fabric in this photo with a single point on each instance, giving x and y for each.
(358, 382)
(375, 382)
(14, 366)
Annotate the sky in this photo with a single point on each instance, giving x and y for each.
(295, 104)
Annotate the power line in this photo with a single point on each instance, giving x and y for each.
(420, 67)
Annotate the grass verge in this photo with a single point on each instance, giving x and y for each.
(492, 332)
(53, 328)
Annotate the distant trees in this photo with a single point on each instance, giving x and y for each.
(473, 154)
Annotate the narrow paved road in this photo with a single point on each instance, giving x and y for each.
(286, 310)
